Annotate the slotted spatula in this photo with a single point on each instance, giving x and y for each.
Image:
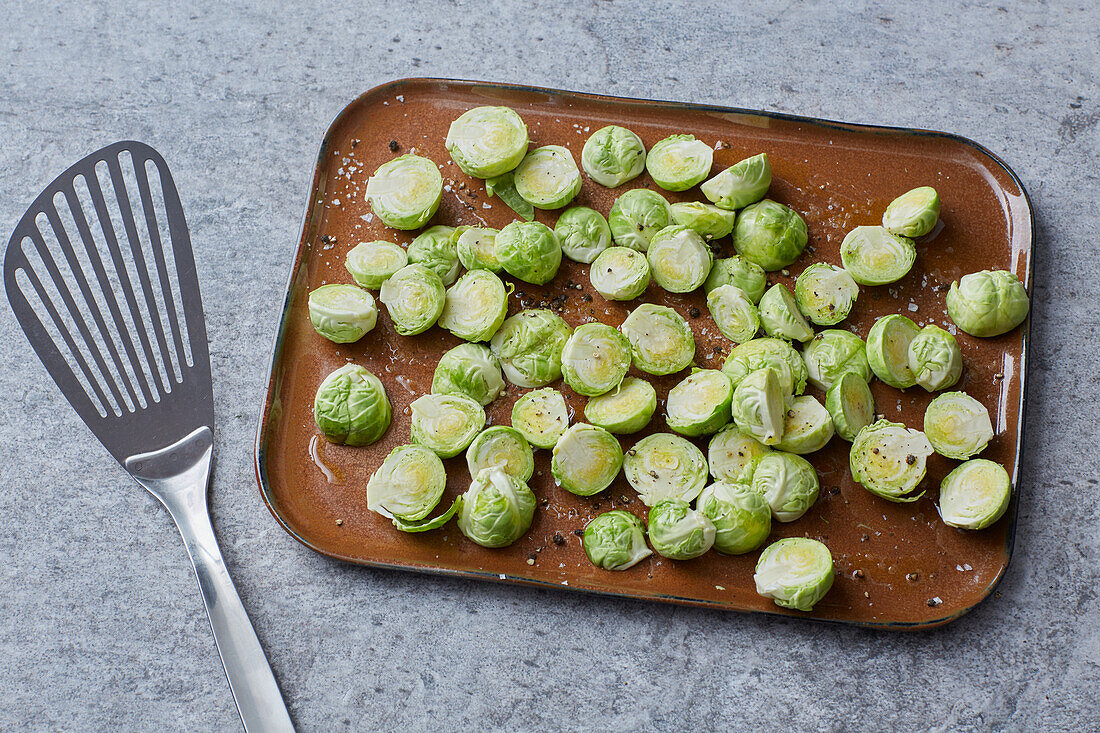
(101, 277)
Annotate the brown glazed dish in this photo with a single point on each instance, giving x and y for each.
(897, 565)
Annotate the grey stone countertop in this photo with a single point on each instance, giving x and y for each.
(101, 627)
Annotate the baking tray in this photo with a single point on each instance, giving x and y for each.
(898, 565)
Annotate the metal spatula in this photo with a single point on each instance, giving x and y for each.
(101, 277)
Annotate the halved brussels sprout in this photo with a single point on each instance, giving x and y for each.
(408, 484)
(504, 188)
(548, 177)
(914, 213)
(738, 271)
(807, 426)
(679, 259)
(529, 346)
(528, 250)
(487, 141)
(787, 482)
(437, 249)
(470, 370)
(742, 518)
(475, 306)
(541, 416)
(586, 459)
(501, 447)
(678, 532)
(975, 494)
(665, 466)
(780, 317)
(595, 359)
(636, 216)
(445, 423)
(351, 406)
(762, 353)
(372, 263)
(613, 155)
(957, 425)
(734, 314)
(769, 234)
(615, 540)
(342, 313)
(405, 192)
(795, 572)
(620, 273)
(497, 509)
(477, 248)
(660, 339)
(700, 404)
(874, 256)
(935, 358)
(759, 404)
(679, 162)
(414, 298)
(624, 410)
(888, 350)
(889, 460)
(583, 233)
(833, 352)
(851, 405)
(732, 454)
(709, 222)
(825, 293)
(987, 303)
(741, 184)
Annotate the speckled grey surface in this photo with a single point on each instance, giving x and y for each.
(101, 627)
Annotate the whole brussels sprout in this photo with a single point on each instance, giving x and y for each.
(914, 213)
(679, 259)
(620, 273)
(700, 404)
(795, 572)
(734, 314)
(769, 234)
(987, 303)
(477, 248)
(665, 466)
(957, 425)
(660, 339)
(636, 216)
(586, 459)
(874, 256)
(678, 532)
(807, 426)
(548, 177)
(446, 424)
(405, 192)
(833, 352)
(787, 482)
(613, 155)
(583, 233)
(437, 249)
(732, 455)
(825, 293)
(372, 263)
(624, 410)
(502, 447)
(541, 417)
(595, 359)
(780, 317)
(497, 509)
(470, 370)
(487, 141)
(935, 358)
(742, 518)
(889, 460)
(975, 495)
(759, 406)
(741, 184)
(888, 350)
(709, 222)
(679, 162)
(414, 297)
(771, 353)
(851, 405)
(351, 406)
(342, 313)
(408, 484)
(738, 271)
(475, 306)
(615, 540)
(528, 250)
(529, 346)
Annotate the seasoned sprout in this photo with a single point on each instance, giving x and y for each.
(935, 358)
(679, 162)
(708, 221)
(548, 177)
(759, 404)
(665, 466)
(501, 447)
(914, 213)
(445, 423)
(528, 250)
(734, 314)
(496, 510)
(504, 188)
(889, 460)
(679, 259)
(660, 339)
(477, 248)
(832, 353)
(475, 306)
(795, 572)
(807, 426)
(414, 298)
(740, 185)
(470, 370)
(825, 293)
(888, 350)
(851, 405)
(372, 263)
(769, 234)
(636, 216)
(780, 317)
(768, 353)
(620, 273)
(541, 416)
(787, 482)
(624, 410)
(487, 141)
(583, 233)
(613, 156)
(529, 347)
(874, 256)
(351, 406)
(677, 531)
(975, 494)
(732, 454)
(615, 540)
(405, 192)
(738, 271)
(742, 518)
(437, 249)
(957, 425)
(408, 484)
(700, 404)
(595, 359)
(586, 459)
(987, 303)
(342, 313)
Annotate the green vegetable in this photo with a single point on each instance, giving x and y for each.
(541, 417)
(741, 517)
(759, 404)
(770, 353)
(807, 426)
(874, 256)
(833, 352)
(975, 494)
(889, 460)
(436, 249)
(351, 406)
(595, 359)
(426, 524)
(342, 313)
(987, 303)
(636, 216)
(615, 540)
(528, 250)
(372, 263)
(957, 425)
(787, 482)
(477, 248)
(851, 405)
(678, 532)
(470, 370)
(405, 192)
(679, 259)
(732, 455)
(738, 271)
(679, 162)
(408, 484)
(501, 447)
(914, 213)
(613, 155)
(504, 188)
(583, 233)
(665, 466)
(624, 410)
(487, 141)
(740, 185)
(475, 306)
(496, 510)
(780, 317)
(825, 293)
(888, 350)
(709, 222)
(620, 273)
(548, 177)
(446, 424)
(700, 404)
(795, 572)
(414, 298)
(935, 358)
(529, 346)
(660, 339)
(586, 459)
(769, 234)
(734, 314)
